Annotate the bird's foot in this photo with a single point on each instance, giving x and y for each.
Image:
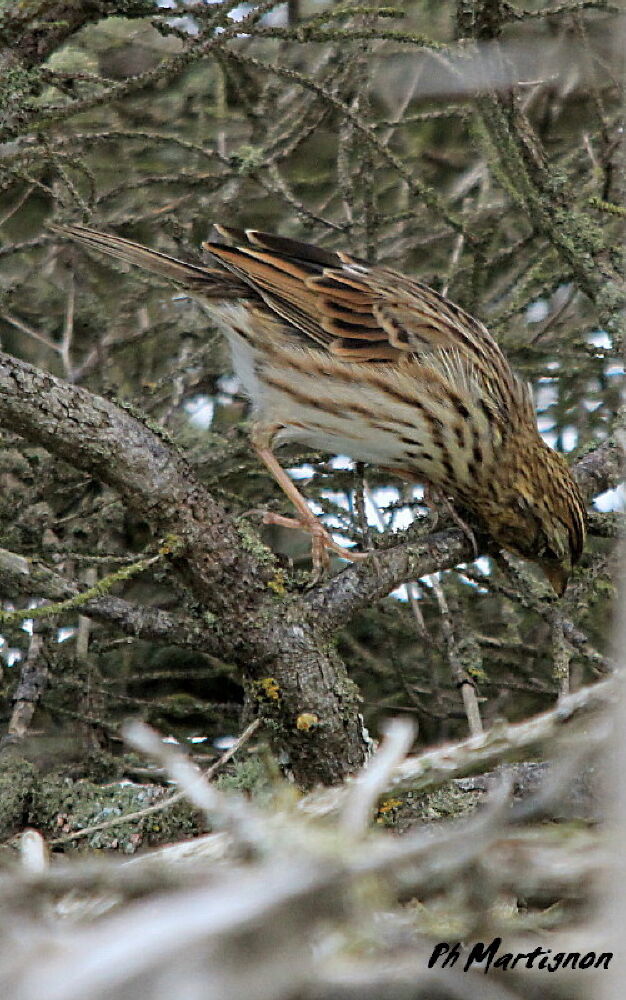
(321, 540)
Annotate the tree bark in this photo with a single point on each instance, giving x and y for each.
(291, 671)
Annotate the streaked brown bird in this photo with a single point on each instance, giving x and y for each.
(360, 360)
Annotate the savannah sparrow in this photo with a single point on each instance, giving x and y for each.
(362, 361)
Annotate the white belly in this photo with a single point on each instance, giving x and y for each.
(297, 396)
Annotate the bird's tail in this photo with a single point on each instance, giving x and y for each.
(214, 282)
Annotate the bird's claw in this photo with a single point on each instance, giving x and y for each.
(322, 541)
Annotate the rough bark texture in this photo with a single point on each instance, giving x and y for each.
(290, 668)
(32, 29)
(237, 601)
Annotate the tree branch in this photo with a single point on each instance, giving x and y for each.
(362, 583)
(291, 673)
(151, 476)
(601, 469)
(31, 31)
(278, 640)
(23, 576)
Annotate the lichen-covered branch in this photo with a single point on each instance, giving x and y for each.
(24, 577)
(290, 671)
(32, 29)
(484, 752)
(151, 476)
(269, 635)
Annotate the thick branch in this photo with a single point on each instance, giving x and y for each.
(361, 583)
(503, 744)
(152, 477)
(288, 667)
(601, 469)
(278, 643)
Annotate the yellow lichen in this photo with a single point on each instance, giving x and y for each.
(268, 688)
(386, 809)
(277, 583)
(307, 721)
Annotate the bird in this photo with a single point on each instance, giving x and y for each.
(361, 360)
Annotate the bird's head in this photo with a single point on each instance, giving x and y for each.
(543, 516)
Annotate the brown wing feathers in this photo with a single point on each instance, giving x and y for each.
(336, 309)
(280, 245)
(379, 317)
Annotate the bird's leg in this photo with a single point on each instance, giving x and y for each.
(322, 540)
(433, 495)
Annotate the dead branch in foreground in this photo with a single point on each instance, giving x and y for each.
(249, 909)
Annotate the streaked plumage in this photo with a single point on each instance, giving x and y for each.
(364, 361)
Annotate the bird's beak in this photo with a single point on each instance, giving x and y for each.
(557, 577)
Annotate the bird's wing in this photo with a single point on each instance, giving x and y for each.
(359, 312)
(363, 313)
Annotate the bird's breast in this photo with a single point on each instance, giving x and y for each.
(383, 414)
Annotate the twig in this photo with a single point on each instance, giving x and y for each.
(481, 753)
(363, 793)
(229, 813)
(165, 803)
(462, 679)
(32, 684)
